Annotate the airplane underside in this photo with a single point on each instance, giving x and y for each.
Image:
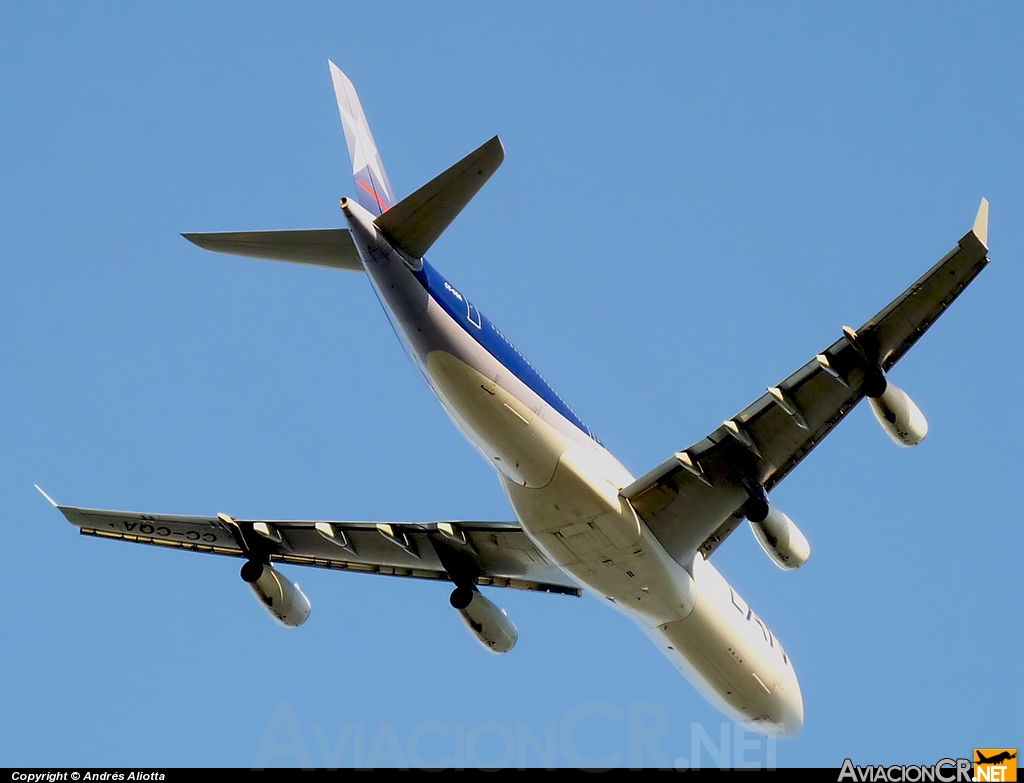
(641, 545)
(565, 492)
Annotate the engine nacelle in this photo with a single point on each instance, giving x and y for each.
(781, 540)
(899, 416)
(489, 624)
(283, 599)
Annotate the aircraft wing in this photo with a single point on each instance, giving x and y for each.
(496, 554)
(695, 499)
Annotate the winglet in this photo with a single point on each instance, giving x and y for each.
(981, 223)
(52, 501)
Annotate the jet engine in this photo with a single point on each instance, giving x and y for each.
(781, 540)
(283, 599)
(899, 416)
(489, 624)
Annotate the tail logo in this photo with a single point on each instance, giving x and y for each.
(373, 193)
(361, 146)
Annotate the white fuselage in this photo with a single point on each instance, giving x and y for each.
(564, 487)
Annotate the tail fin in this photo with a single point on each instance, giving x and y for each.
(374, 191)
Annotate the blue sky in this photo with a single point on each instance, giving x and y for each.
(694, 199)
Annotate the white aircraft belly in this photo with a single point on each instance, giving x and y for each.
(509, 433)
(565, 490)
(567, 499)
(732, 658)
(694, 617)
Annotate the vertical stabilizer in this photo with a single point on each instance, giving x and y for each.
(373, 189)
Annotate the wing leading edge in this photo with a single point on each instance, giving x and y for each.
(696, 498)
(496, 554)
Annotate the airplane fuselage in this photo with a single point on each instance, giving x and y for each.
(564, 488)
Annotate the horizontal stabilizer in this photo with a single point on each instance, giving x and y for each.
(415, 222)
(330, 247)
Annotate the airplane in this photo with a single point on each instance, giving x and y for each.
(583, 521)
(996, 759)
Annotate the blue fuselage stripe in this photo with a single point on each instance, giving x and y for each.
(487, 335)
